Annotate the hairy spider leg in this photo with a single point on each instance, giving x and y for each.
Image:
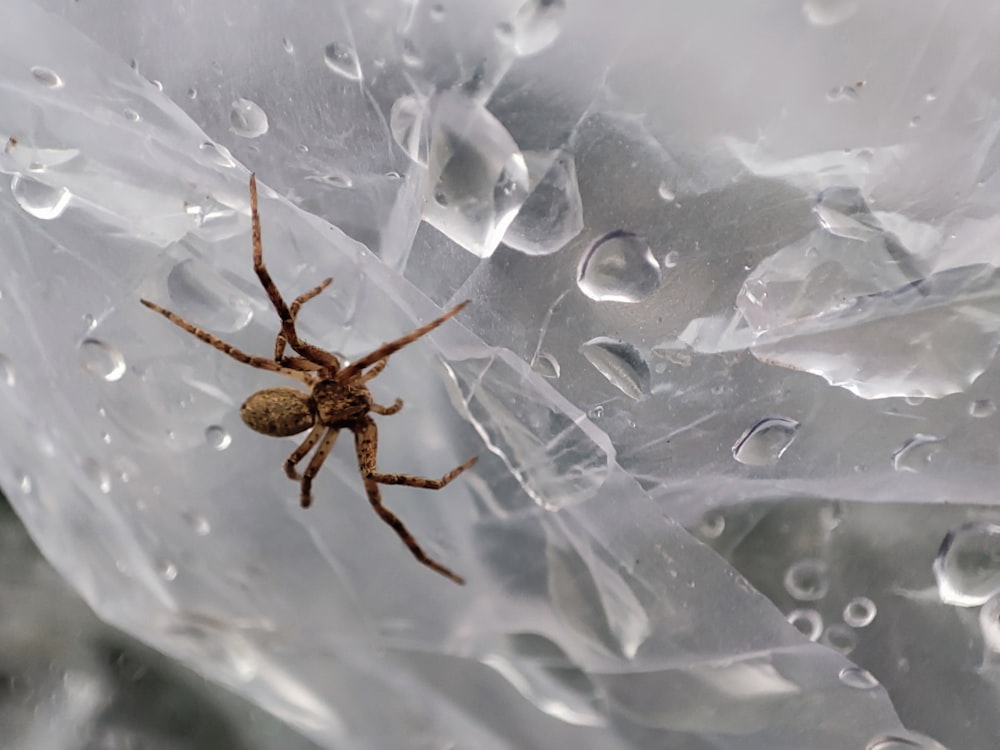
(392, 347)
(310, 352)
(315, 464)
(280, 341)
(367, 443)
(299, 453)
(290, 368)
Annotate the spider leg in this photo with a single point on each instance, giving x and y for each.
(315, 463)
(366, 443)
(280, 341)
(310, 352)
(388, 410)
(261, 363)
(394, 346)
(299, 453)
(376, 369)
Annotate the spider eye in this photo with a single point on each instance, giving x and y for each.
(278, 412)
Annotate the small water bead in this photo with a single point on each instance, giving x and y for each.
(619, 267)
(287, 45)
(765, 442)
(438, 12)
(97, 474)
(131, 115)
(982, 408)
(24, 483)
(916, 453)
(840, 638)
(931, 95)
(38, 199)
(47, 77)
(7, 372)
(712, 525)
(808, 580)
(102, 359)
(218, 438)
(806, 621)
(967, 566)
(342, 60)
(829, 12)
(198, 523)
(666, 192)
(915, 121)
(536, 25)
(247, 119)
(332, 179)
(859, 612)
(546, 365)
(217, 155)
(858, 678)
(167, 570)
(671, 259)
(192, 93)
(410, 55)
(621, 363)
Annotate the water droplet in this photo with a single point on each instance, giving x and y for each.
(858, 678)
(410, 55)
(333, 179)
(47, 77)
(666, 192)
(597, 412)
(829, 12)
(7, 372)
(915, 121)
(102, 359)
(217, 155)
(546, 365)
(840, 638)
(859, 612)
(408, 123)
(24, 483)
(536, 25)
(916, 453)
(989, 623)
(806, 621)
(619, 267)
(247, 119)
(981, 408)
(621, 363)
(167, 570)
(198, 522)
(552, 214)
(808, 580)
(218, 438)
(287, 45)
(765, 442)
(131, 115)
(342, 60)
(158, 85)
(192, 93)
(438, 12)
(475, 166)
(38, 199)
(907, 741)
(967, 566)
(712, 525)
(931, 95)
(671, 259)
(198, 293)
(842, 94)
(97, 474)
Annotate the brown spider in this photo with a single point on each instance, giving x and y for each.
(337, 399)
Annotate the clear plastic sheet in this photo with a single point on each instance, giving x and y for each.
(703, 206)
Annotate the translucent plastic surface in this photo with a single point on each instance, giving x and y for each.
(719, 254)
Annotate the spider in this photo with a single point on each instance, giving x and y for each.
(337, 398)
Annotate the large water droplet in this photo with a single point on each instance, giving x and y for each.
(552, 215)
(47, 77)
(38, 199)
(621, 363)
(408, 124)
(217, 155)
(198, 293)
(765, 442)
(7, 373)
(840, 638)
(806, 621)
(536, 25)
(247, 119)
(916, 453)
(102, 359)
(859, 612)
(808, 580)
(342, 60)
(218, 438)
(982, 408)
(967, 566)
(478, 178)
(858, 678)
(546, 365)
(829, 12)
(619, 267)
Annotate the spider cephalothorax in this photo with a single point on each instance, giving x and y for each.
(337, 398)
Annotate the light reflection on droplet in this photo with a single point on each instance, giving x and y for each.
(97, 474)
(666, 193)
(982, 408)
(38, 199)
(168, 570)
(47, 77)
(916, 453)
(619, 267)
(217, 155)
(621, 363)
(765, 442)
(808, 580)
(858, 678)
(806, 621)
(342, 60)
(218, 438)
(102, 359)
(859, 612)
(546, 365)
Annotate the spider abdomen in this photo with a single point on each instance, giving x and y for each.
(338, 402)
(278, 412)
